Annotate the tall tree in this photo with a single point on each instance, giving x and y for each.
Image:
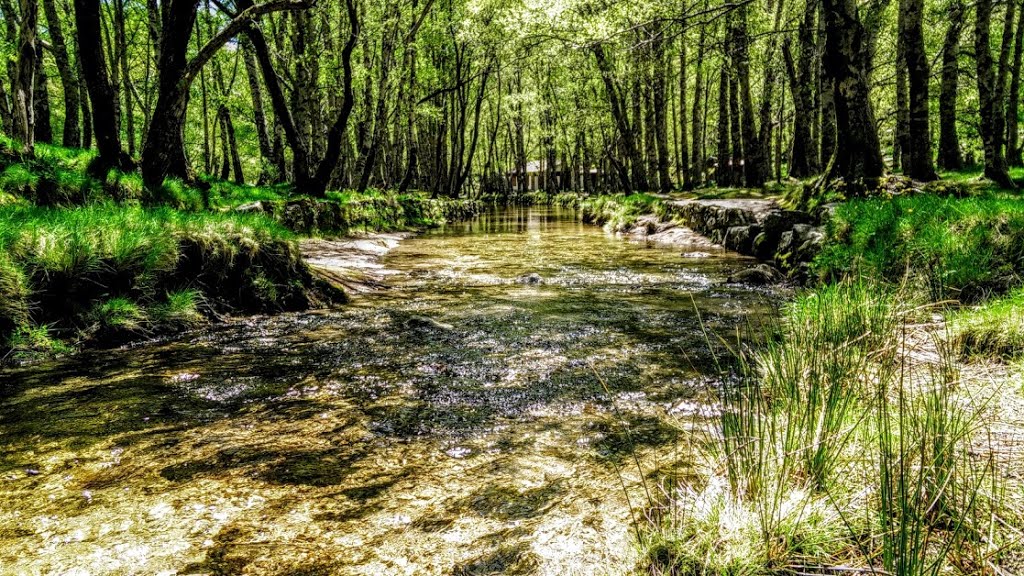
(72, 135)
(25, 76)
(919, 153)
(101, 93)
(949, 157)
(858, 158)
(990, 106)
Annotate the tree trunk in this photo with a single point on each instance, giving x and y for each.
(259, 115)
(94, 68)
(754, 169)
(637, 182)
(859, 159)
(126, 79)
(723, 172)
(697, 167)
(660, 115)
(1013, 148)
(949, 141)
(25, 77)
(919, 154)
(72, 135)
(42, 130)
(989, 102)
(901, 143)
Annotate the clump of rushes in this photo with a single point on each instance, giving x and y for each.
(993, 330)
(180, 310)
(956, 248)
(837, 446)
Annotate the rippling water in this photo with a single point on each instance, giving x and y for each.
(455, 423)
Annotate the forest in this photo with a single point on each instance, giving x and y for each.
(454, 98)
(467, 287)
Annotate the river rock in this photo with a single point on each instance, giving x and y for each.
(759, 275)
(778, 221)
(531, 279)
(741, 238)
(427, 323)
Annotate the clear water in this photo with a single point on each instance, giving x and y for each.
(456, 423)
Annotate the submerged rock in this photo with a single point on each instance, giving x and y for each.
(758, 275)
(532, 279)
(425, 322)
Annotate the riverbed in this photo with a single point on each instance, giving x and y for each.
(504, 405)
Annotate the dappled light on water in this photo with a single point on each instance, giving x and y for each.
(451, 424)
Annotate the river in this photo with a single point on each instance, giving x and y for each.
(469, 419)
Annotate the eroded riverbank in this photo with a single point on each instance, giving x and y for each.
(366, 440)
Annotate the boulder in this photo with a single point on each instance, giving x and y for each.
(759, 275)
(778, 221)
(741, 238)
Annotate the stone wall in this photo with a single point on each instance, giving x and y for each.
(787, 239)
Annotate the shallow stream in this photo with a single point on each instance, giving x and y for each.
(455, 423)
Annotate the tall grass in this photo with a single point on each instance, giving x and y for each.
(994, 329)
(845, 440)
(620, 212)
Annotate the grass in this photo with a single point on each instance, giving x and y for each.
(953, 248)
(132, 269)
(620, 212)
(992, 330)
(844, 440)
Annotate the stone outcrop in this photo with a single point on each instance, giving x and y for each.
(787, 239)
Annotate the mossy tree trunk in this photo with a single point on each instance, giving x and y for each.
(919, 153)
(859, 159)
(949, 157)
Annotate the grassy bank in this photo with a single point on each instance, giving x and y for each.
(88, 257)
(115, 272)
(852, 440)
(954, 248)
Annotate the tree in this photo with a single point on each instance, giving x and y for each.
(919, 149)
(990, 108)
(949, 157)
(25, 77)
(858, 159)
(101, 93)
(163, 153)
